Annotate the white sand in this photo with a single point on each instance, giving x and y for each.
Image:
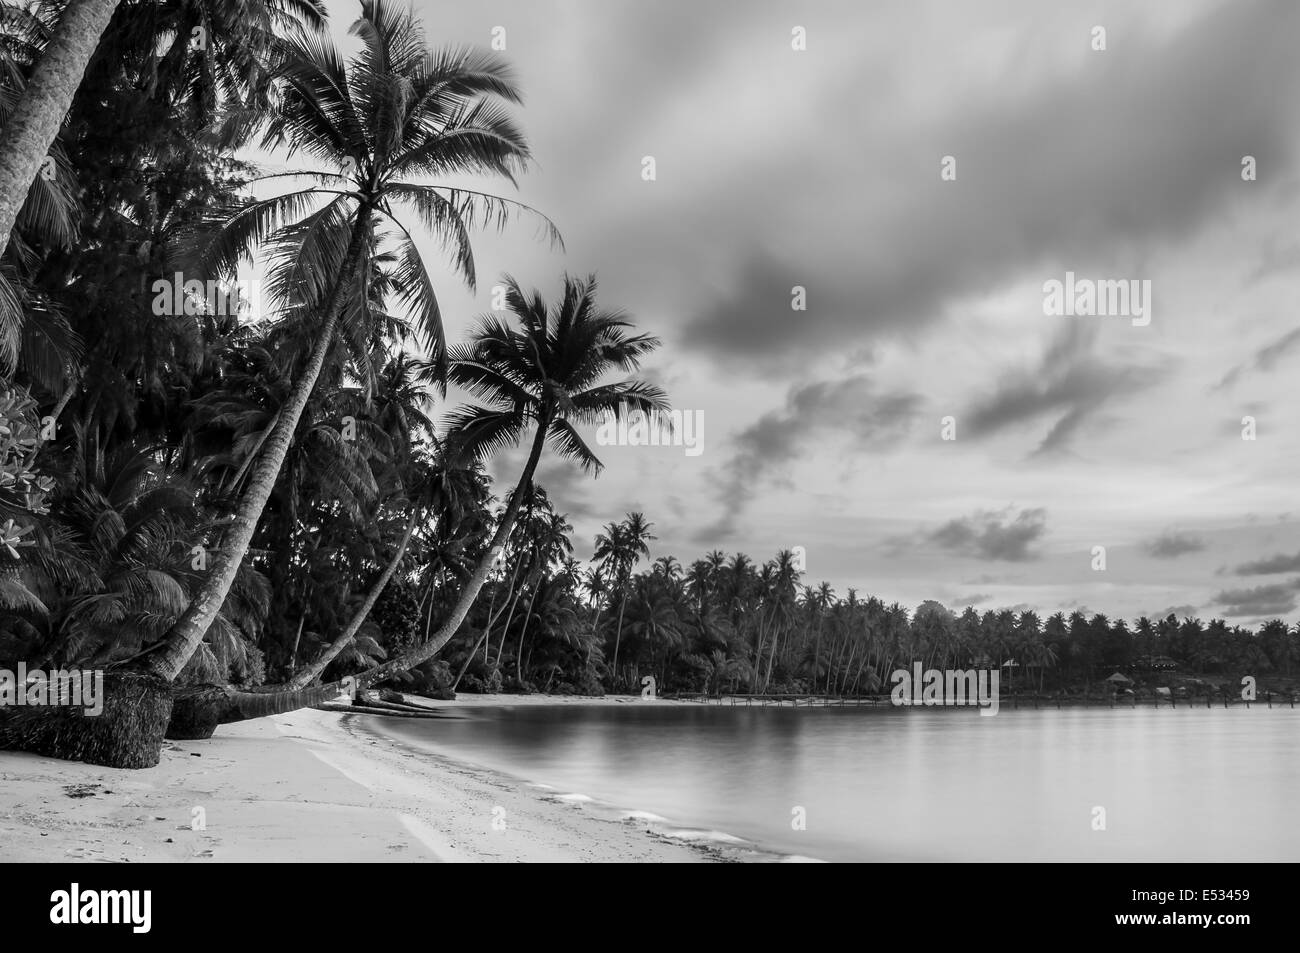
(307, 786)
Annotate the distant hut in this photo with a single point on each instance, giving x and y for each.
(1120, 682)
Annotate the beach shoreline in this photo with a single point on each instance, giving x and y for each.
(308, 786)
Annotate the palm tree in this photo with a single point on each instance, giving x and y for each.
(546, 375)
(397, 404)
(396, 110)
(236, 36)
(784, 582)
(821, 600)
(668, 566)
(35, 120)
(551, 546)
(630, 545)
(310, 673)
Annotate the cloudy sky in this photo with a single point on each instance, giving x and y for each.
(821, 168)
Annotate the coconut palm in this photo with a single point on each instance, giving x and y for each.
(551, 546)
(35, 119)
(229, 62)
(395, 111)
(546, 375)
(629, 544)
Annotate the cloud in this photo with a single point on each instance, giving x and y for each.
(1178, 612)
(1069, 173)
(1275, 599)
(1272, 564)
(1069, 384)
(1171, 545)
(1003, 535)
(815, 416)
(1265, 358)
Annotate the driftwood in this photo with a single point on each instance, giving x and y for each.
(390, 712)
(390, 702)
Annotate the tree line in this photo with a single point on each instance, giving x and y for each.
(729, 624)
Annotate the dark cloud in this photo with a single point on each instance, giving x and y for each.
(1272, 564)
(1171, 545)
(974, 599)
(1073, 174)
(1273, 600)
(1265, 359)
(822, 414)
(1004, 535)
(1070, 384)
(1178, 612)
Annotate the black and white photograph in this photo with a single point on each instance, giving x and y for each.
(701, 431)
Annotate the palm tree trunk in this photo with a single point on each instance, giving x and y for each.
(293, 659)
(831, 654)
(35, 120)
(468, 658)
(510, 615)
(514, 598)
(817, 654)
(844, 682)
(771, 659)
(618, 635)
(313, 671)
(482, 639)
(420, 654)
(760, 640)
(193, 625)
(866, 656)
(519, 657)
(196, 712)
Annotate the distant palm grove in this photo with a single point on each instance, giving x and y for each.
(727, 624)
(229, 512)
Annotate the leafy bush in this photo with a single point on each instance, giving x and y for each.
(480, 682)
(22, 490)
(432, 680)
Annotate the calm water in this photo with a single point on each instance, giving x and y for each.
(1183, 785)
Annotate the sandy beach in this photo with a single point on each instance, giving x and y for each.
(307, 786)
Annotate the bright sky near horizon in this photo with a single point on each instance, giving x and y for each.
(821, 168)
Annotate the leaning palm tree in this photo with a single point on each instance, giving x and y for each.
(544, 375)
(396, 112)
(233, 41)
(35, 120)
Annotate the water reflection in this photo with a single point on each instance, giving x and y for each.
(1181, 785)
